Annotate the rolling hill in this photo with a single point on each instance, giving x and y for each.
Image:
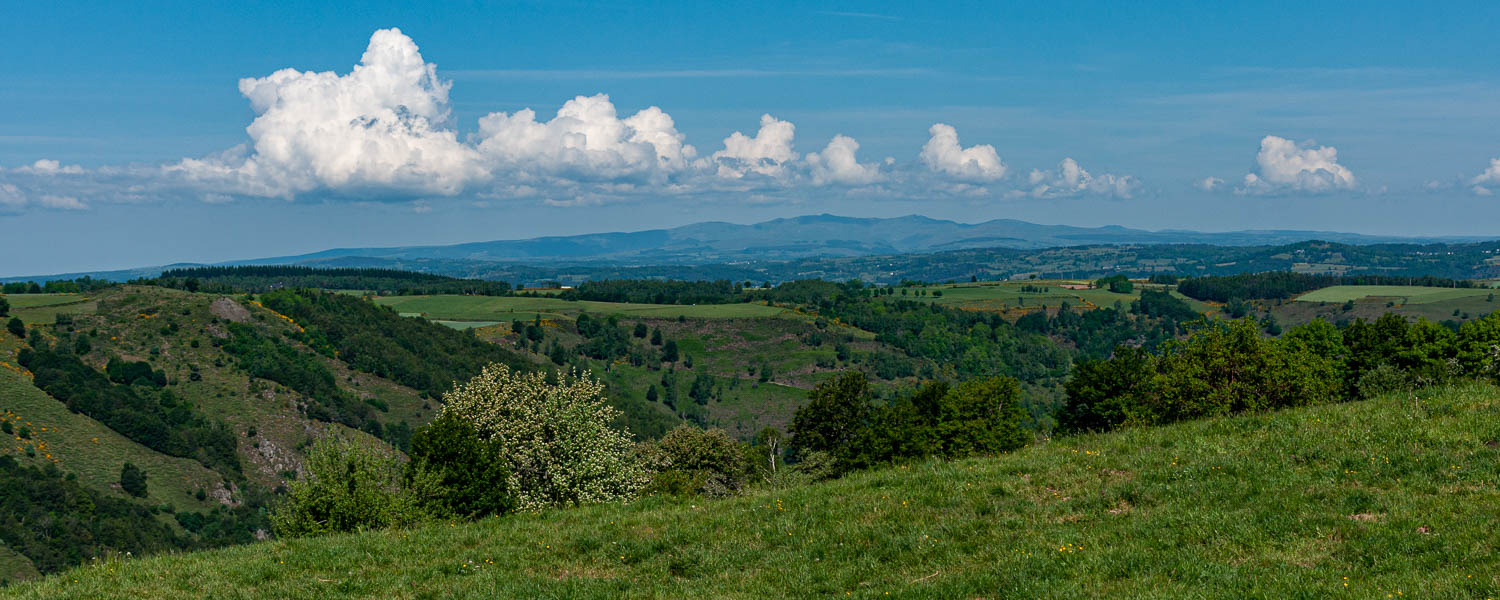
(1390, 497)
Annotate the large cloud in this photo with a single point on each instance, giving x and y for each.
(942, 153)
(383, 131)
(381, 126)
(768, 153)
(837, 164)
(1285, 165)
(586, 139)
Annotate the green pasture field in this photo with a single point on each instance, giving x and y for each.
(1007, 296)
(509, 308)
(42, 309)
(1400, 294)
(1388, 498)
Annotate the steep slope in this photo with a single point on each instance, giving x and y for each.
(1393, 497)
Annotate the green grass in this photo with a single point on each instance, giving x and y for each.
(1394, 497)
(15, 567)
(42, 309)
(1400, 294)
(506, 309)
(1008, 297)
(83, 446)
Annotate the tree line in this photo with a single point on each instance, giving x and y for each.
(1276, 285)
(1229, 367)
(256, 279)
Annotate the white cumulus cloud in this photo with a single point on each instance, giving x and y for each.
(1070, 179)
(1285, 165)
(1209, 184)
(586, 139)
(1490, 176)
(942, 153)
(837, 163)
(50, 167)
(768, 153)
(382, 125)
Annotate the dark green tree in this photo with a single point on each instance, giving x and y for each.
(835, 413)
(16, 327)
(133, 480)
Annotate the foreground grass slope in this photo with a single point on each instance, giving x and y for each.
(1396, 496)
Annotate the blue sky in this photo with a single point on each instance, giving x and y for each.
(1370, 117)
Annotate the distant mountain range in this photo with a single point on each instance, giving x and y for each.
(813, 236)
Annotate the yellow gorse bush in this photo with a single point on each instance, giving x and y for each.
(555, 437)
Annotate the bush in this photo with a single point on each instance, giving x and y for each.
(16, 327)
(133, 480)
(468, 475)
(1384, 379)
(347, 488)
(693, 461)
(557, 441)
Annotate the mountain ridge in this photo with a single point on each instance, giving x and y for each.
(787, 238)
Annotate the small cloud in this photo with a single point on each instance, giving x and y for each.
(421, 207)
(837, 164)
(1209, 184)
(942, 153)
(1070, 179)
(63, 203)
(50, 167)
(1284, 165)
(214, 198)
(1482, 191)
(767, 153)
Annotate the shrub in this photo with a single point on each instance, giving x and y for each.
(16, 327)
(347, 488)
(133, 480)
(1382, 380)
(691, 460)
(468, 475)
(555, 439)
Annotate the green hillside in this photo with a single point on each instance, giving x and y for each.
(1393, 497)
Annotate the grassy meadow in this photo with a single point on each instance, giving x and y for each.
(1400, 294)
(502, 309)
(1015, 298)
(1371, 301)
(42, 309)
(1394, 497)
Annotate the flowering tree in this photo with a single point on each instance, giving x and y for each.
(555, 438)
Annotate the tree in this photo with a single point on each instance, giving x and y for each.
(133, 480)
(652, 394)
(4, 307)
(346, 488)
(656, 337)
(558, 443)
(640, 330)
(669, 351)
(16, 327)
(467, 475)
(835, 413)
